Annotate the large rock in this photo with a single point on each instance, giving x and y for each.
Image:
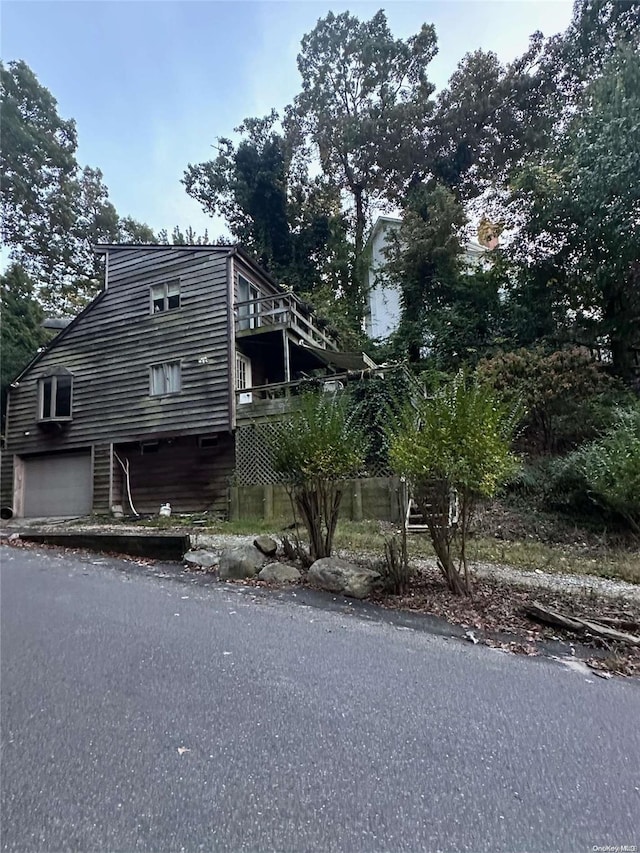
(279, 573)
(337, 575)
(266, 544)
(203, 559)
(243, 561)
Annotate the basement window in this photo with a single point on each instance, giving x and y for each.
(205, 442)
(55, 392)
(165, 296)
(165, 378)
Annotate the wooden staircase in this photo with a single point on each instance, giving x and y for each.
(414, 519)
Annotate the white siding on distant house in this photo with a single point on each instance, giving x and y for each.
(383, 308)
(383, 311)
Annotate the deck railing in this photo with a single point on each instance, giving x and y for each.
(281, 311)
(275, 398)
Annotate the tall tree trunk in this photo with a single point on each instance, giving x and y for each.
(359, 271)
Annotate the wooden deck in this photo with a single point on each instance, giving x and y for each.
(256, 316)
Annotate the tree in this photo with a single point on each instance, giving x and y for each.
(454, 446)
(37, 158)
(424, 262)
(53, 210)
(291, 222)
(577, 57)
(21, 332)
(314, 451)
(247, 185)
(487, 121)
(131, 231)
(363, 106)
(582, 212)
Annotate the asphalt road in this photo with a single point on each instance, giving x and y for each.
(143, 713)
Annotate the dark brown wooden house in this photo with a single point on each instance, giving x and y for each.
(138, 401)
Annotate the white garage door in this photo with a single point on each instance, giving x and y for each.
(57, 485)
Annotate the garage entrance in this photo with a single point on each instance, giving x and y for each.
(57, 485)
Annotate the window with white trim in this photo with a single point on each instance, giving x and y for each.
(55, 391)
(249, 304)
(165, 296)
(243, 372)
(165, 378)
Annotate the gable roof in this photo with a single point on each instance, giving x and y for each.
(231, 249)
(61, 334)
(104, 248)
(379, 224)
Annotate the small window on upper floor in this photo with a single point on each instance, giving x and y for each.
(55, 391)
(165, 296)
(165, 378)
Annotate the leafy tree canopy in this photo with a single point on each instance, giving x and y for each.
(364, 102)
(262, 187)
(21, 332)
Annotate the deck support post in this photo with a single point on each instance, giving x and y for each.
(287, 365)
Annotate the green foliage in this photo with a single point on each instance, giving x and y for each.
(424, 262)
(461, 434)
(377, 402)
(363, 108)
(290, 221)
(319, 440)
(457, 441)
(611, 467)
(582, 235)
(564, 393)
(487, 120)
(313, 450)
(53, 210)
(37, 159)
(21, 333)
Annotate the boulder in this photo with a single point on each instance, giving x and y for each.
(279, 573)
(337, 575)
(242, 561)
(266, 544)
(202, 558)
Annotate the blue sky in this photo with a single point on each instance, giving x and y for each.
(151, 84)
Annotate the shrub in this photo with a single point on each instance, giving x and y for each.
(313, 450)
(375, 402)
(567, 396)
(611, 467)
(395, 570)
(455, 443)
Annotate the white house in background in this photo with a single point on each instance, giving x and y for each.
(382, 312)
(383, 309)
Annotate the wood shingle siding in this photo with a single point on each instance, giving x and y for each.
(6, 479)
(110, 350)
(189, 477)
(102, 478)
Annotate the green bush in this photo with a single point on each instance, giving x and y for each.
(313, 450)
(375, 402)
(455, 442)
(567, 396)
(611, 467)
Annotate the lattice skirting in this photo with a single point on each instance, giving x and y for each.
(254, 463)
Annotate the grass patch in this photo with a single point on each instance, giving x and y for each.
(611, 563)
(368, 537)
(529, 555)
